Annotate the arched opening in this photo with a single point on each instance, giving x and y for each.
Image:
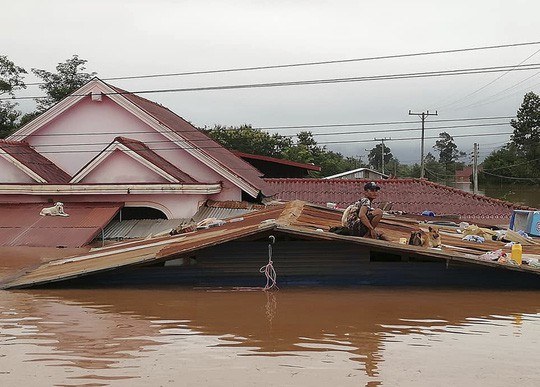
(130, 213)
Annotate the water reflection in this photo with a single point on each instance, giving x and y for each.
(131, 337)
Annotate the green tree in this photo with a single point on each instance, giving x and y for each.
(435, 170)
(526, 136)
(11, 80)
(304, 150)
(298, 153)
(375, 156)
(505, 162)
(11, 76)
(331, 162)
(248, 140)
(409, 170)
(306, 139)
(8, 118)
(69, 77)
(449, 155)
(447, 148)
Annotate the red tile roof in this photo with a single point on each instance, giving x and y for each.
(142, 150)
(40, 165)
(21, 224)
(199, 140)
(409, 195)
(465, 172)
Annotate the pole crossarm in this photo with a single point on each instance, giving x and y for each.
(422, 116)
(382, 140)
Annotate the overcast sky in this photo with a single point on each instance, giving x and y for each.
(143, 37)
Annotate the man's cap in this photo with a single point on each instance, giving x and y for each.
(371, 186)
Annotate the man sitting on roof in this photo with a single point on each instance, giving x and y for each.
(361, 218)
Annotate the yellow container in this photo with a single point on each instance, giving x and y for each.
(403, 241)
(516, 253)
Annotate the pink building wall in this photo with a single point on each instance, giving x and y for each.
(119, 167)
(77, 135)
(9, 173)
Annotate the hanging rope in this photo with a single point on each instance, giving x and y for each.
(268, 270)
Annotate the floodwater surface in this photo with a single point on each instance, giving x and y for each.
(248, 337)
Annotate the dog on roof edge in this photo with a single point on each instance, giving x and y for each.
(431, 238)
(56, 210)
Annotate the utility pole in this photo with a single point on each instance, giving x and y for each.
(475, 168)
(422, 116)
(382, 140)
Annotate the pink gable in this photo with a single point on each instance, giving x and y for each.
(117, 167)
(9, 173)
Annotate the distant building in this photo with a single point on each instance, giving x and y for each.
(464, 176)
(359, 173)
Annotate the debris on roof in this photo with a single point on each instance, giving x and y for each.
(411, 196)
(293, 220)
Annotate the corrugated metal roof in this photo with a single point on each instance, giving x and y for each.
(7, 235)
(219, 213)
(140, 228)
(293, 219)
(21, 224)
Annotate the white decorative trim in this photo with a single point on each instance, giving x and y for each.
(98, 85)
(22, 167)
(53, 112)
(115, 145)
(109, 189)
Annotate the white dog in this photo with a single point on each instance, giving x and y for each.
(56, 210)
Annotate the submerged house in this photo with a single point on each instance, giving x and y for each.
(103, 149)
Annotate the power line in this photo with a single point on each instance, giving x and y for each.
(425, 74)
(514, 165)
(285, 135)
(438, 175)
(406, 129)
(378, 123)
(317, 63)
(314, 126)
(491, 82)
(418, 138)
(531, 179)
(217, 146)
(489, 100)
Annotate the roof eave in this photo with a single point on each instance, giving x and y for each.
(110, 189)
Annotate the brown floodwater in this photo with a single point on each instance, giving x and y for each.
(248, 337)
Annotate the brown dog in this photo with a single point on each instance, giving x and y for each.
(429, 239)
